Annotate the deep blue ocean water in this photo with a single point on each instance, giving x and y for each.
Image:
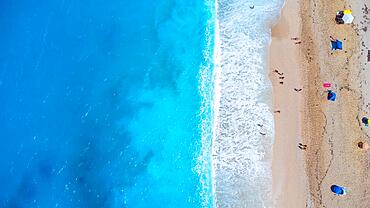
(100, 103)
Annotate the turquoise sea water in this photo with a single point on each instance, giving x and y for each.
(103, 103)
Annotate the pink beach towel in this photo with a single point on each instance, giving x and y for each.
(327, 84)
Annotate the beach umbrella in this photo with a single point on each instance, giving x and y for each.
(338, 190)
(365, 121)
(331, 95)
(339, 45)
(338, 17)
(347, 11)
(347, 16)
(336, 45)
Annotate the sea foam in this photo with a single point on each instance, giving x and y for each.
(243, 122)
(206, 88)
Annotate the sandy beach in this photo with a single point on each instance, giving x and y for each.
(285, 74)
(331, 130)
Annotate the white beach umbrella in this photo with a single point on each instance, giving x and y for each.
(347, 18)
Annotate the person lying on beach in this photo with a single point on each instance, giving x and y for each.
(298, 42)
(277, 111)
(332, 39)
(297, 90)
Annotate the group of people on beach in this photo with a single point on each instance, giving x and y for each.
(336, 44)
(281, 77)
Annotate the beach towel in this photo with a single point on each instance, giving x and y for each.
(327, 84)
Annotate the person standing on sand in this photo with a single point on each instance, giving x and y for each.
(297, 40)
(332, 39)
(302, 146)
(362, 145)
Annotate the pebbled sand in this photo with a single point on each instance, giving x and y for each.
(330, 129)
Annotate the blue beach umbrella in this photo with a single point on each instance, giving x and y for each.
(331, 95)
(336, 45)
(339, 45)
(338, 190)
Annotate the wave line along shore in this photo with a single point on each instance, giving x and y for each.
(243, 126)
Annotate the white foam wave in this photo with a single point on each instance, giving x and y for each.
(241, 154)
(204, 166)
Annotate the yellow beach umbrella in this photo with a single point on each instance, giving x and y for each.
(347, 11)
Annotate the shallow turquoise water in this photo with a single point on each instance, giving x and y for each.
(101, 103)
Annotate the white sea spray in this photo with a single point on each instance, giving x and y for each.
(243, 122)
(204, 166)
